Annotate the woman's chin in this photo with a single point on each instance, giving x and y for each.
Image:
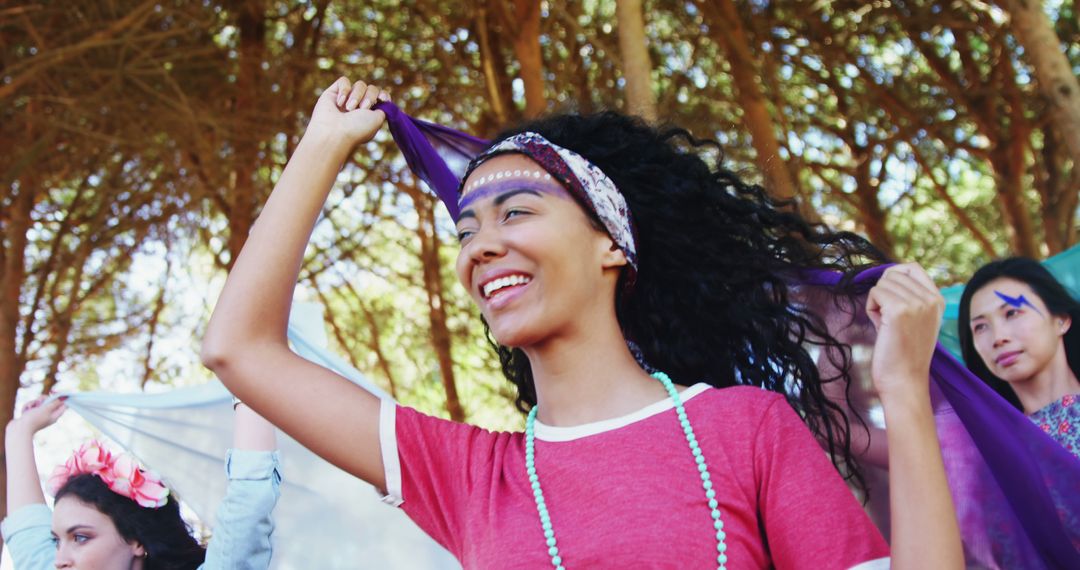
(1016, 374)
(514, 337)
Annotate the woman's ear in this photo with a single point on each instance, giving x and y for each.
(1064, 324)
(138, 550)
(614, 256)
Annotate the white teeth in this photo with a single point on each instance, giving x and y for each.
(509, 281)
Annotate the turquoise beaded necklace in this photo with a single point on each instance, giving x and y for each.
(695, 450)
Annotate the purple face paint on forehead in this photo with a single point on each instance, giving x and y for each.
(507, 184)
(1016, 302)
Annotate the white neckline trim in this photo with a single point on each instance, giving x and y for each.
(545, 432)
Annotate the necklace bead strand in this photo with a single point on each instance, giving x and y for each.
(695, 450)
(703, 469)
(538, 494)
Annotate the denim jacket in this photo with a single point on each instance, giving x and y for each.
(241, 538)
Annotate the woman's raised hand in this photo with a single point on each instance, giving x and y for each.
(344, 110)
(38, 415)
(906, 309)
(23, 486)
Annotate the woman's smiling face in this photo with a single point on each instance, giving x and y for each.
(530, 256)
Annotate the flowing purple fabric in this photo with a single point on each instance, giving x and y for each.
(1015, 488)
(436, 154)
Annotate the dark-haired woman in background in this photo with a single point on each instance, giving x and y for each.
(110, 514)
(1017, 335)
(580, 235)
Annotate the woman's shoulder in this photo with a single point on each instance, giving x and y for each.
(748, 407)
(741, 397)
(411, 418)
(1067, 407)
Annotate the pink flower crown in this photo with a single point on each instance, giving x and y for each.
(119, 471)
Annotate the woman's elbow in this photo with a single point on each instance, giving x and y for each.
(213, 357)
(216, 351)
(223, 344)
(237, 361)
(225, 363)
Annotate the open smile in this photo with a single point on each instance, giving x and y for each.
(500, 285)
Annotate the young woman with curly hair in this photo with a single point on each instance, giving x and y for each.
(583, 240)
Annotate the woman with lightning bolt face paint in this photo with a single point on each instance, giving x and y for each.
(1017, 334)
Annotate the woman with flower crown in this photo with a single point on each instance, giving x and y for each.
(112, 514)
(583, 241)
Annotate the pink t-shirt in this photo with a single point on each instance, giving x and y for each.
(625, 492)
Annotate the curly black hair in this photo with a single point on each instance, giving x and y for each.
(1053, 294)
(161, 531)
(712, 299)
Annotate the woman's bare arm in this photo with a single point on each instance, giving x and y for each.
(245, 342)
(251, 431)
(23, 485)
(906, 309)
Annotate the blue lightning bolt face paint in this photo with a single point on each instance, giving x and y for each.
(1017, 302)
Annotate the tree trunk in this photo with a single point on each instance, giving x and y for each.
(871, 214)
(432, 267)
(727, 30)
(248, 95)
(62, 339)
(579, 70)
(488, 62)
(376, 347)
(1059, 195)
(152, 326)
(527, 50)
(12, 275)
(1057, 83)
(637, 69)
(1008, 164)
(1073, 199)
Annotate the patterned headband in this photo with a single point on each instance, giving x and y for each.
(584, 179)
